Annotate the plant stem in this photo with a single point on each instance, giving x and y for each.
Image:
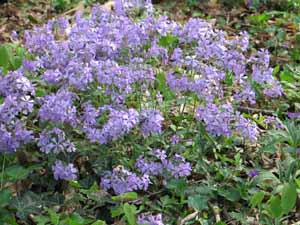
(2, 172)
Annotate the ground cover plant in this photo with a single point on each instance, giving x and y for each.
(129, 117)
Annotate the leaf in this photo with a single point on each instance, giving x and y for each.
(168, 41)
(163, 87)
(288, 198)
(257, 198)
(274, 206)
(99, 222)
(6, 218)
(230, 194)
(297, 181)
(220, 223)
(5, 56)
(16, 173)
(41, 220)
(198, 202)
(27, 204)
(178, 185)
(130, 213)
(269, 178)
(76, 219)
(5, 197)
(126, 196)
(54, 217)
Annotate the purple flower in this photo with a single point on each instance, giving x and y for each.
(218, 119)
(55, 141)
(294, 115)
(247, 129)
(175, 139)
(64, 172)
(252, 173)
(151, 122)
(59, 108)
(13, 137)
(149, 219)
(175, 166)
(122, 181)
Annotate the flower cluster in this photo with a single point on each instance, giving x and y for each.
(64, 172)
(151, 122)
(122, 181)
(223, 120)
(149, 219)
(55, 141)
(175, 166)
(97, 79)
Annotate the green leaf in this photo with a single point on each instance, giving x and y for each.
(27, 204)
(297, 181)
(288, 198)
(178, 185)
(230, 194)
(115, 212)
(163, 87)
(274, 207)
(99, 222)
(5, 197)
(16, 173)
(76, 219)
(198, 202)
(220, 223)
(268, 177)
(257, 198)
(126, 196)
(41, 220)
(54, 217)
(168, 41)
(130, 213)
(5, 56)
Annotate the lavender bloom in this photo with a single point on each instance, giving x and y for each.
(253, 173)
(247, 129)
(64, 172)
(149, 219)
(13, 106)
(119, 123)
(55, 141)
(53, 76)
(247, 94)
(151, 168)
(177, 56)
(11, 138)
(151, 122)
(218, 120)
(14, 83)
(275, 91)
(59, 108)
(294, 115)
(176, 166)
(122, 181)
(175, 139)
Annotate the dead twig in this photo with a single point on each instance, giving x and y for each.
(188, 218)
(216, 211)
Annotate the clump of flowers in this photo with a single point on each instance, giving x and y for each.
(223, 120)
(55, 141)
(151, 122)
(174, 166)
(122, 181)
(96, 80)
(149, 219)
(64, 172)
